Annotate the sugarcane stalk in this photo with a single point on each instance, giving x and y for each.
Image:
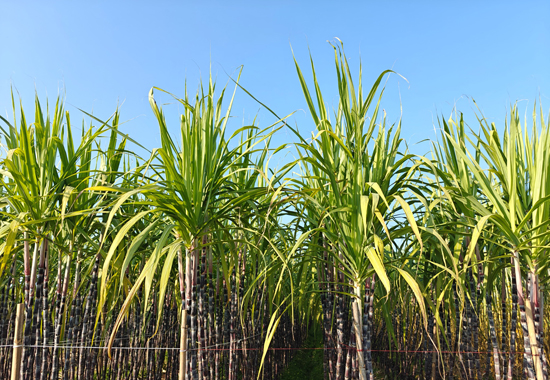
(66, 369)
(232, 372)
(73, 320)
(504, 329)
(218, 337)
(328, 273)
(358, 330)
(86, 328)
(535, 296)
(433, 359)
(192, 286)
(45, 318)
(60, 312)
(527, 318)
(528, 364)
(493, 334)
(367, 344)
(183, 322)
(541, 331)
(38, 304)
(474, 328)
(211, 326)
(4, 315)
(348, 371)
(201, 317)
(513, 325)
(26, 368)
(339, 335)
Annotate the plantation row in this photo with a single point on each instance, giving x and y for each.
(201, 261)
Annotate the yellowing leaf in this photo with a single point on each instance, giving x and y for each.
(378, 266)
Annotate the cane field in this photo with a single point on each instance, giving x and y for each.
(202, 260)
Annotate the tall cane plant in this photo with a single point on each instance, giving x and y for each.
(360, 184)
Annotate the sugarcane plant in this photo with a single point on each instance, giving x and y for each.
(355, 182)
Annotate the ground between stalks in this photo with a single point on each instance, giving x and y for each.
(307, 364)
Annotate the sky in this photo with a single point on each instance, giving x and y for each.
(102, 55)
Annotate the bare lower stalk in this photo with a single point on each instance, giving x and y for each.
(232, 372)
(191, 299)
(183, 345)
(541, 330)
(513, 326)
(349, 354)
(45, 318)
(525, 317)
(537, 362)
(504, 323)
(182, 374)
(493, 335)
(367, 326)
(38, 305)
(339, 335)
(535, 296)
(358, 328)
(59, 318)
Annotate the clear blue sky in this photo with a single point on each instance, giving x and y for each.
(104, 53)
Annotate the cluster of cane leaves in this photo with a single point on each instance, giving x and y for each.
(356, 186)
(46, 175)
(202, 188)
(359, 160)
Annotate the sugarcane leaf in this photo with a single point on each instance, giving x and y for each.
(478, 229)
(66, 194)
(121, 234)
(165, 276)
(410, 218)
(136, 243)
(417, 293)
(378, 266)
